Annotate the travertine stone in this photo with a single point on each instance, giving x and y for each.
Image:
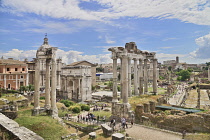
(154, 76)
(145, 77)
(125, 79)
(47, 85)
(135, 77)
(37, 85)
(146, 108)
(129, 77)
(53, 89)
(140, 77)
(114, 80)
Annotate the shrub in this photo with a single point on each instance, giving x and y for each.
(76, 109)
(42, 98)
(67, 103)
(85, 107)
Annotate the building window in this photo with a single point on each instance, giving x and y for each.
(21, 76)
(16, 69)
(8, 69)
(28, 68)
(23, 69)
(11, 77)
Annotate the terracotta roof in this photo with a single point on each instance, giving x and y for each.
(11, 61)
(79, 62)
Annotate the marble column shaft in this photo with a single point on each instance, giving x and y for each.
(140, 77)
(208, 74)
(37, 85)
(53, 88)
(145, 76)
(114, 80)
(124, 75)
(154, 76)
(5, 81)
(47, 85)
(129, 78)
(135, 77)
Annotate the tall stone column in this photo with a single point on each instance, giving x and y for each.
(155, 76)
(121, 65)
(16, 81)
(37, 85)
(47, 85)
(135, 77)
(5, 81)
(129, 77)
(208, 74)
(114, 99)
(53, 89)
(79, 94)
(145, 76)
(140, 77)
(124, 75)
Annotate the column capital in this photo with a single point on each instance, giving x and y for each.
(145, 60)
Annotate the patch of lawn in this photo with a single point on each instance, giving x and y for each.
(45, 126)
(107, 114)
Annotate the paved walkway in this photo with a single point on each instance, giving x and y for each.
(142, 133)
(178, 97)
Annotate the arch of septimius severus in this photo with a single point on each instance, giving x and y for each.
(46, 54)
(140, 58)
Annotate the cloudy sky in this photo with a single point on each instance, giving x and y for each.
(85, 29)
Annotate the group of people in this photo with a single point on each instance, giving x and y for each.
(88, 117)
(97, 108)
(123, 123)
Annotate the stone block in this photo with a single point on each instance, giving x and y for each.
(106, 130)
(92, 135)
(118, 136)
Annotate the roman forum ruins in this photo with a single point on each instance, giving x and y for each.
(46, 54)
(140, 58)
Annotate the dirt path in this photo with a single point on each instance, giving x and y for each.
(142, 133)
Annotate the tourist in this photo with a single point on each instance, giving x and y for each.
(104, 119)
(131, 122)
(98, 119)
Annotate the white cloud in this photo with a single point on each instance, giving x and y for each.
(192, 11)
(66, 56)
(203, 51)
(166, 47)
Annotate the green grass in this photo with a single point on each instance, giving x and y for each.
(12, 97)
(45, 126)
(102, 113)
(135, 100)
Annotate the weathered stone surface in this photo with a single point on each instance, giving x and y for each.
(118, 136)
(16, 131)
(106, 130)
(92, 135)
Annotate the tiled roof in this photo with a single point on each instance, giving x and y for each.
(11, 61)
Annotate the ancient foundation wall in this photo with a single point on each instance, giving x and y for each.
(195, 122)
(10, 129)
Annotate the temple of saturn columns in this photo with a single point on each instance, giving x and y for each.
(46, 54)
(141, 60)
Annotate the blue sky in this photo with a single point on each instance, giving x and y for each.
(85, 29)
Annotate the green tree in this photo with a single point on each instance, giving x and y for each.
(110, 85)
(99, 69)
(185, 75)
(170, 68)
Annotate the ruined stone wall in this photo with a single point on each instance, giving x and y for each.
(196, 122)
(10, 130)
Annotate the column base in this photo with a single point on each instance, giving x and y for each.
(53, 113)
(47, 107)
(35, 112)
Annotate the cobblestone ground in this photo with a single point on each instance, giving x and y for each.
(142, 133)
